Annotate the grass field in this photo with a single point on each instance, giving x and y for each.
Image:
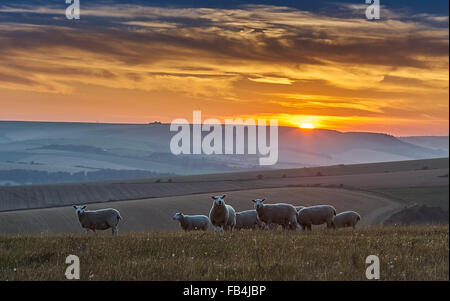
(431, 196)
(406, 253)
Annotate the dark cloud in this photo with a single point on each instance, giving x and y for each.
(295, 44)
(15, 79)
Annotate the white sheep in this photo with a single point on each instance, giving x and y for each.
(281, 214)
(98, 219)
(316, 215)
(222, 216)
(297, 208)
(247, 219)
(346, 219)
(192, 222)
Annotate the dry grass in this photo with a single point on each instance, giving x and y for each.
(406, 253)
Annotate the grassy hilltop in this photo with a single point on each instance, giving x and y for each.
(406, 253)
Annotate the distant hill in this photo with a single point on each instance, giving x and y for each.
(90, 147)
(433, 142)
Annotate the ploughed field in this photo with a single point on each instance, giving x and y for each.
(375, 190)
(430, 172)
(405, 253)
(156, 214)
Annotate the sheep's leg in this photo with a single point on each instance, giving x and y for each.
(332, 224)
(86, 230)
(309, 227)
(267, 225)
(114, 231)
(221, 230)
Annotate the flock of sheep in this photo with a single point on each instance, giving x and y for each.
(267, 216)
(223, 217)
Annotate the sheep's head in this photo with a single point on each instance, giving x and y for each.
(258, 203)
(218, 200)
(79, 209)
(177, 216)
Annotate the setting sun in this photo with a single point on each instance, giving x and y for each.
(306, 126)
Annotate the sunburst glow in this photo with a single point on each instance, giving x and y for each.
(306, 126)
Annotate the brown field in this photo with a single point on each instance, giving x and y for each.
(362, 176)
(156, 214)
(436, 196)
(405, 253)
(376, 196)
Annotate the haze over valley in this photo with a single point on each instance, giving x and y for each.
(47, 152)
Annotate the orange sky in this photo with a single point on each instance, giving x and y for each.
(145, 64)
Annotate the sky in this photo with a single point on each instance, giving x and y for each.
(301, 62)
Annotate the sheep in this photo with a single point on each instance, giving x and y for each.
(297, 208)
(192, 222)
(222, 216)
(98, 219)
(346, 219)
(316, 215)
(291, 226)
(281, 214)
(247, 219)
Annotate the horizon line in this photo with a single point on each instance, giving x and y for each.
(165, 123)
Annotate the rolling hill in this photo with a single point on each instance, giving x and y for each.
(390, 174)
(84, 147)
(375, 190)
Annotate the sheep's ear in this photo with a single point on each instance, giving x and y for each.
(74, 206)
(213, 197)
(223, 196)
(253, 201)
(84, 207)
(263, 200)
